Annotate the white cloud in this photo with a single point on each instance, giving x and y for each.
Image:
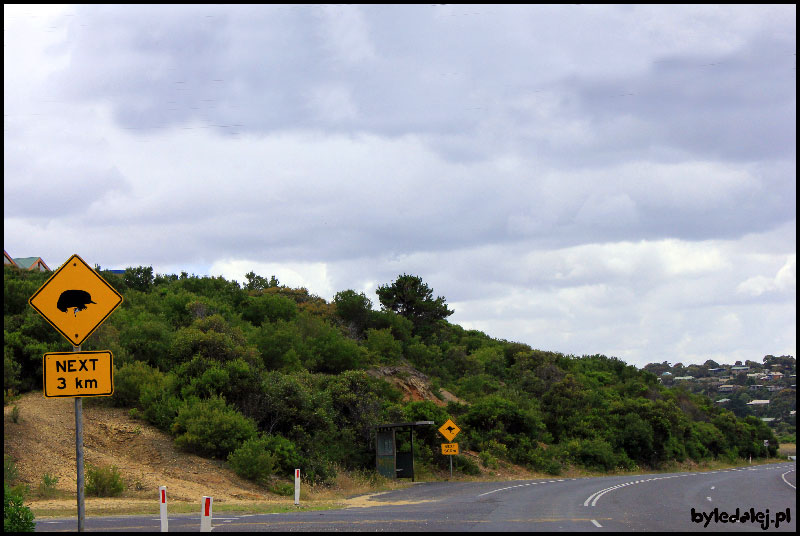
(346, 34)
(784, 281)
(333, 104)
(311, 275)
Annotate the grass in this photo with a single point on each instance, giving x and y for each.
(125, 507)
(312, 497)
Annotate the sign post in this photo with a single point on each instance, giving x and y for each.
(296, 487)
(450, 430)
(79, 456)
(205, 514)
(76, 300)
(162, 492)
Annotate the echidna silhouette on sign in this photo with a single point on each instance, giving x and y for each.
(78, 299)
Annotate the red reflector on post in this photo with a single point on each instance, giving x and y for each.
(208, 506)
(163, 495)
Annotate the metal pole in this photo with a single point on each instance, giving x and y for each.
(79, 454)
(412, 454)
(451, 466)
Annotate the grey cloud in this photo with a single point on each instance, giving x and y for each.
(395, 70)
(737, 106)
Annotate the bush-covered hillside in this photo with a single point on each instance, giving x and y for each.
(271, 378)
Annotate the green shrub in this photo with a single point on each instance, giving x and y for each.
(10, 472)
(287, 457)
(159, 404)
(383, 346)
(47, 487)
(504, 421)
(547, 461)
(16, 516)
(253, 460)
(488, 460)
(103, 481)
(319, 470)
(466, 465)
(283, 489)
(595, 454)
(129, 381)
(268, 308)
(211, 428)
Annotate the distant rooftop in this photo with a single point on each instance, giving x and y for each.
(30, 263)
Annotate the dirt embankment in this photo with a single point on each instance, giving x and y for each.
(414, 385)
(43, 442)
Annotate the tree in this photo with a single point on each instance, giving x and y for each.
(408, 296)
(139, 278)
(354, 308)
(256, 282)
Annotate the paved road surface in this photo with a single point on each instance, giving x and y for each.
(666, 502)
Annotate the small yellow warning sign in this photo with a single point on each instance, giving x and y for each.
(75, 300)
(449, 430)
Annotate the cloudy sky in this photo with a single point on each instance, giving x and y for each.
(585, 179)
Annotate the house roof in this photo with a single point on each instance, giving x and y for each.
(8, 260)
(26, 263)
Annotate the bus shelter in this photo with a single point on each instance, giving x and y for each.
(388, 461)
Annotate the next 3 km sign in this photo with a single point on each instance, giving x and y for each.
(70, 374)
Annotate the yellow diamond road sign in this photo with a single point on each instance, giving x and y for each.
(449, 430)
(75, 300)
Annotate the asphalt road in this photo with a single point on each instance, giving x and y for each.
(764, 497)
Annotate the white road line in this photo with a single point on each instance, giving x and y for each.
(524, 485)
(594, 497)
(709, 499)
(783, 477)
(596, 524)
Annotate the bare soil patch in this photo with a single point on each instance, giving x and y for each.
(43, 442)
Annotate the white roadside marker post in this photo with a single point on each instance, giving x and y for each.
(297, 487)
(205, 514)
(162, 491)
